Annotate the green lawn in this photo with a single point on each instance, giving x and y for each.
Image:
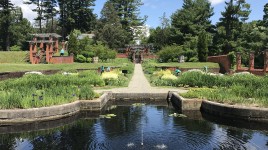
(13, 67)
(13, 57)
(189, 65)
(196, 65)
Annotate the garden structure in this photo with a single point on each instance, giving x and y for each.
(137, 53)
(44, 46)
(225, 63)
(251, 67)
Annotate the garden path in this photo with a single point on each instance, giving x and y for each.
(139, 84)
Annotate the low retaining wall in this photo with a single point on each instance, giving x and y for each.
(62, 59)
(182, 104)
(53, 112)
(139, 96)
(237, 112)
(218, 109)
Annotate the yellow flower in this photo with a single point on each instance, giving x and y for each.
(162, 72)
(109, 75)
(169, 76)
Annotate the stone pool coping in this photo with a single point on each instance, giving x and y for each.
(17, 116)
(218, 109)
(235, 111)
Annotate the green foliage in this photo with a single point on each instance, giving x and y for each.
(40, 90)
(81, 59)
(15, 48)
(265, 16)
(103, 52)
(232, 58)
(76, 15)
(109, 29)
(191, 19)
(73, 43)
(169, 53)
(235, 13)
(86, 93)
(202, 47)
(193, 59)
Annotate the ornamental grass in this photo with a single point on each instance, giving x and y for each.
(33, 90)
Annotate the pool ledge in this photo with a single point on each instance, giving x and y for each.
(218, 109)
(15, 116)
(235, 111)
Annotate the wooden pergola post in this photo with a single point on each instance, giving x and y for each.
(251, 61)
(238, 61)
(265, 67)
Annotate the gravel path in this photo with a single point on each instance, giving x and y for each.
(139, 84)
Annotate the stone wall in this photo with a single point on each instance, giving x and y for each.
(223, 61)
(121, 55)
(62, 59)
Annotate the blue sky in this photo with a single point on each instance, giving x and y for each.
(154, 9)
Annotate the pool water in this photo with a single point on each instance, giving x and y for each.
(136, 127)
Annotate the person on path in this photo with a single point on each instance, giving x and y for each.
(177, 72)
(62, 52)
(102, 69)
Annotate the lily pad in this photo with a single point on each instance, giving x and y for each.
(178, 115)
(138, 104)
(107, 116)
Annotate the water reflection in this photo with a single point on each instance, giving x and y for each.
(146, 127)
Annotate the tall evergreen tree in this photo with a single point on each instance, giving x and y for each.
(109, 28)
(202, 47)
(128, 12)
(188, 22)
(193, 18)
(50, 12)
(236, 12)
(76, 15)
(5, 19)
(265, 16)
(40, 10)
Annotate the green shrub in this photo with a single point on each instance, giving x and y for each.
(193, 59)
(86, 93)
(81, 59)
(169, 53)
(15, 48)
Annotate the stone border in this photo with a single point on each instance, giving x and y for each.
(218, 109)
(138, 96)
(183, 104)
(233, 111)
(16, 116)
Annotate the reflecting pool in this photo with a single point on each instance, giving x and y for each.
(134, 127)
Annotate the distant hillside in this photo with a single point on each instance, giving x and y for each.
(13, 56)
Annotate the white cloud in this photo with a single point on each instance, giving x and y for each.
(150, 3)
(26, 9)
(216, 2)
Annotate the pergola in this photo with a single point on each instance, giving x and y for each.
(48, 44)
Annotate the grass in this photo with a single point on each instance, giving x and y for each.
(15, 67)
(196, 65)
(13, 57)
